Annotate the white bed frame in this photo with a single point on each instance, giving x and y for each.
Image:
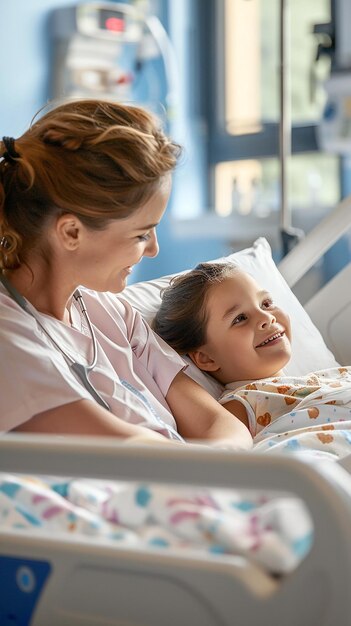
(94, 583)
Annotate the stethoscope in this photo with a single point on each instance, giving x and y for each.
(80, 370)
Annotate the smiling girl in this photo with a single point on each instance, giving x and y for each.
(232, 329)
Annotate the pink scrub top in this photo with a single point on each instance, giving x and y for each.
(133, 373)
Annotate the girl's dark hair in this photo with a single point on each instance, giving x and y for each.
(182, 318)
(100, 160)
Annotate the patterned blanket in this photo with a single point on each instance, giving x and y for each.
(273, 532)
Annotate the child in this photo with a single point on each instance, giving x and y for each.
(232, 329)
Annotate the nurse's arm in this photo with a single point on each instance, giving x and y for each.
(86, 417)
(199, 416)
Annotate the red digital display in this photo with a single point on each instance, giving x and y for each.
(116, 24)
(114, 21)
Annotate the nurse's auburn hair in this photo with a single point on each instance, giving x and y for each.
(100, 160)
(182, 317)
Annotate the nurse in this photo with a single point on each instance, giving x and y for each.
(81, 194)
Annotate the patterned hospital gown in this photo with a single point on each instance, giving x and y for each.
(312, 411)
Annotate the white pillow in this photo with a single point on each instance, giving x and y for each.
(309, 352)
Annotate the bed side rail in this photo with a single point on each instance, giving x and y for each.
(330, 310)
(301, 258)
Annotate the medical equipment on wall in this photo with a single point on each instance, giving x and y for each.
(334, 130)
(103, 50)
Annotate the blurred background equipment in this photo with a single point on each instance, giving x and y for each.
(102, 50)
(334, 132)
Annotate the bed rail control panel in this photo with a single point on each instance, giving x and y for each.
(22, 581)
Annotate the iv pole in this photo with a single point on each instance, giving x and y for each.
(289, 235)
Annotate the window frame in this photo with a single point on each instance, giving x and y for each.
(221, 145)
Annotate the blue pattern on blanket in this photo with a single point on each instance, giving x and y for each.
(143, 496)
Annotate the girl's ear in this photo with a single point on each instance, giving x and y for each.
(203, 361)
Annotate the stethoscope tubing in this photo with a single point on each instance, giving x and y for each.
(80, 370)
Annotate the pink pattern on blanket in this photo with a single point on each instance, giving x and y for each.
(39, 498)
(202, 501)
(255, 531)
(110, 514)
(52, 511)
(177, 518)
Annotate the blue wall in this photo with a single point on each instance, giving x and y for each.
(24, 61)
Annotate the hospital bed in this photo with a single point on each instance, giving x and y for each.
(62, 581)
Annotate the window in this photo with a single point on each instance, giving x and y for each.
(244, 108)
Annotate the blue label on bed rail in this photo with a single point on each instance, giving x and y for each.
(22, 581)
